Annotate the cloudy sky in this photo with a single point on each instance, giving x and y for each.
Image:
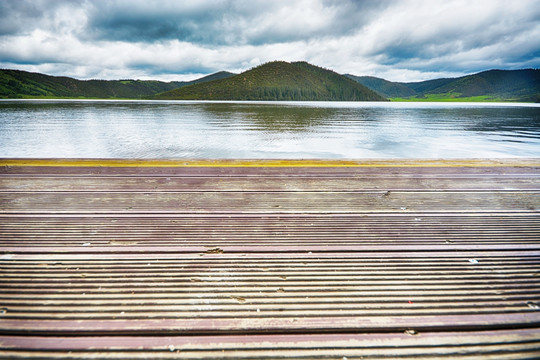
(400, 40)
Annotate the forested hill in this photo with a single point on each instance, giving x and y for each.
(279, 80)
(23, 84)
(491, 85)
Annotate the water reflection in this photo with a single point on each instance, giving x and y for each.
(130, 129)
(269, 118)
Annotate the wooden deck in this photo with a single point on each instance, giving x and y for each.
(275, 259)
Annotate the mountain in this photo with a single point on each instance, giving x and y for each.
(383, 87)
(523, 85)
(428, 86)
(216, 76)
(23, 84)
(278, 80)
(491, 85)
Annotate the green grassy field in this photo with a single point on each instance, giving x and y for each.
(449, 98)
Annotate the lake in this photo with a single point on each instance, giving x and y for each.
(266, 130)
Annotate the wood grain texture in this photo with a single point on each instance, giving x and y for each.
(269, 259)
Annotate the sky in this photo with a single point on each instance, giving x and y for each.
(399, 40)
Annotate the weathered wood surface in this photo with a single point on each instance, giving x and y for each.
(287, 260)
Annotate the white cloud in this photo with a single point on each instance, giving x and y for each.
(401, 40)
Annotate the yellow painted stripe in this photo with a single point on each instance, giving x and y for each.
(271, 163)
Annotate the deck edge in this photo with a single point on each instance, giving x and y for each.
(503, 162)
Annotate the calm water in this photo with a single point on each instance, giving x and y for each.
(293, 130)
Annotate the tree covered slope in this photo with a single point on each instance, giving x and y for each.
(279, 80)
(23, 84)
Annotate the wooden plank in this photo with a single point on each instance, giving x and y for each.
(244, 183)
(271, 324)
(221, 288)
(236, 230)
(490, 344)
(266, 202)
(511, 167)
(203, 250)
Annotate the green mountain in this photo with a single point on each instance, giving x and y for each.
(23, 84)
(282, 81)
(384, 87)
(520, 85)
(428, 86)
(278, 80)
(491, 85)
(216, 76)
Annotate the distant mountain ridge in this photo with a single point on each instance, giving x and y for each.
(23, 84)
(215, 76)
(278, 80)
(497, 85)
(384, 87)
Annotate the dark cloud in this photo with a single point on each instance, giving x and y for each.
(148, 21)
(18, 16)
(227, 22)
(24, 16)
(150, 68)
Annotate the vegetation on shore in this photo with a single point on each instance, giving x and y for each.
(451, 98)
(278, 80)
